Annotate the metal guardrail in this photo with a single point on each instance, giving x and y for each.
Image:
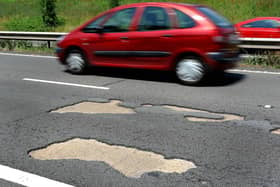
(246, 43)
(39, 36)
(260, 43)
(32, 36)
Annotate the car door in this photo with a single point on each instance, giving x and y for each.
(151, 42)
(274, 28)
(251, 29)
(268, 29)
(109, 44)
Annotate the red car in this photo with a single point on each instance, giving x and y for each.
(187, 39)
(261, 27)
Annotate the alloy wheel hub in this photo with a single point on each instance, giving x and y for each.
(190, 70)
(75, 62)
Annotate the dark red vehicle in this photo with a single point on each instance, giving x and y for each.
(261, 27)
(188, 39)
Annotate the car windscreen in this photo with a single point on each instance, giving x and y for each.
(217, 19)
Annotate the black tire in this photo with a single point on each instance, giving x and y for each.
(190, 70)
(75, 61)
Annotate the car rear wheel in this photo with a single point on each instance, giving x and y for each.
(190, 70)
(75, 61)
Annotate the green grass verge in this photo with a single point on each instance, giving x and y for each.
(266, 59)
(22, 46)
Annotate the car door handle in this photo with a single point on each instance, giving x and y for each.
(167, 35)
(124, 38)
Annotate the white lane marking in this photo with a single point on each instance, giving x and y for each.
(28, 179)
(24, 55)
(66, 84)
(251, 71)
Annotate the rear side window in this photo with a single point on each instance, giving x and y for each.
(184, 21)
(262, 24)
(216, 18)
(154, 18)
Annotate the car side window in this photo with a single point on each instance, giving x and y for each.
(184, 21)
(275, 24)
(120, 21)
(154, 18)
(262, 24)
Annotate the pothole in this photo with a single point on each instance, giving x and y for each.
(99, 106)
(111, 107)
(130, 162)
(204, 118)
(276, 131)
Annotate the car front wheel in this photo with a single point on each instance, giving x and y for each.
(75, 61)
(190, 70)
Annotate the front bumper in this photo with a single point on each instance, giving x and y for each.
(58, 50)
(60, 54)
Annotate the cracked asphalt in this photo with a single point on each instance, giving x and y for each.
(230, 153)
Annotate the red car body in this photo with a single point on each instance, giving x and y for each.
(260, 27)
(155, 47)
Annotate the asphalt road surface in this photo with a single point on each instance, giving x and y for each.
(242, 152)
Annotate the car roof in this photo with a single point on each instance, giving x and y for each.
(169, 4)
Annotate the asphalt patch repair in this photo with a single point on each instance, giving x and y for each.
(275, 131)
(130, 162)
(100, 106)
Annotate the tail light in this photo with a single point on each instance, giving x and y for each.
(230, 39)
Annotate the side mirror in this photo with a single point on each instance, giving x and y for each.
(94, 29)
